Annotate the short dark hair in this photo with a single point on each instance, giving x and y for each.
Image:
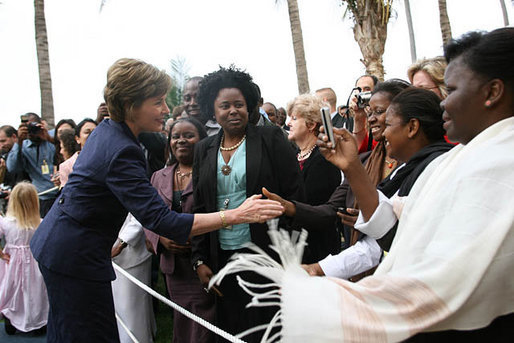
(373, 77)
(391, 87)
(230, 77)
(35, 117)
(488, 54)
(423, 105)
(270, 103)
(201, 132)
(82, 123)
(9, 130)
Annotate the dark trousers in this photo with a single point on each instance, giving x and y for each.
(80, 310)
(45, 205)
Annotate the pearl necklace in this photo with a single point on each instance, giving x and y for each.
(232, 147)
(302, 157)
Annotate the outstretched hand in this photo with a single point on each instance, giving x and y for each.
(257, 210)
(350, 217)
(289, 207)
(344, 153)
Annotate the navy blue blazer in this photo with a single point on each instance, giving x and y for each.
(108, 180)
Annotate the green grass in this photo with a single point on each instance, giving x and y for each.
(163, 316)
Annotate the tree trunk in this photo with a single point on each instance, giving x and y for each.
(45, 79)
(411, 31)
(444, 21)
(370, 32)
(504, 12)
(299, 53)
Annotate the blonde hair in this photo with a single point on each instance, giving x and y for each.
(435, 68)
(24, 206)
(129, 83)
(308, 107)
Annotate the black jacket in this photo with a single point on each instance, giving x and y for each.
(270, 163)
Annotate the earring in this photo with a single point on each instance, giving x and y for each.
(488, 103)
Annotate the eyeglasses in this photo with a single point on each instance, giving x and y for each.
(371, 113)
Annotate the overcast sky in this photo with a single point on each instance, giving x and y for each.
(253, 34)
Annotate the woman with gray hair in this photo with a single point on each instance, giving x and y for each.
(320, 177)
(73, 243)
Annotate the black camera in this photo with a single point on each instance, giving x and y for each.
(363, 99)
(33, 128)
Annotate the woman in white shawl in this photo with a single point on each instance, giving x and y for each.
(448, 276)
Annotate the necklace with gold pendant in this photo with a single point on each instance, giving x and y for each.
(226, 169)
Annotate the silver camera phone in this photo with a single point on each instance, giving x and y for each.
(327, 125)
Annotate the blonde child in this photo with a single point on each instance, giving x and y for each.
(23, 298)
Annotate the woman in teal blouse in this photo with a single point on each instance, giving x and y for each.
(239, 160)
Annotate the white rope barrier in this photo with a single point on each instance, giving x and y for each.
(48, 191)
(178, 308)
(127, 330)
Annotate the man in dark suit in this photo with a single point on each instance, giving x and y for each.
(343, 118)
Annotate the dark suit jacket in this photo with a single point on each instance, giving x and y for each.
(340, 121)
(320, 178)
(325, 215)
(108, 180)
(270, 163)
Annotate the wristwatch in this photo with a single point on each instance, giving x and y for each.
(197, 264)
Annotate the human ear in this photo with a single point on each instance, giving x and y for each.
(413, 127)
(495, 91)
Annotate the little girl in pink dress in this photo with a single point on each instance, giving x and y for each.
(23, 298)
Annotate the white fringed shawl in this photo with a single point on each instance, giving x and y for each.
(450, 265)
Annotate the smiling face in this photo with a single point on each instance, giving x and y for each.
(231, 111)
(184, 136)
(149, 116)
(397, 135)
(378, 105)
(463, 117)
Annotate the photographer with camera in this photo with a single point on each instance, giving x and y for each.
(358, 101)
(34, 154)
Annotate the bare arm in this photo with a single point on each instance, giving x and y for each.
(253, 210)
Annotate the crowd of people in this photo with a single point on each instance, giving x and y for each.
(401, 189)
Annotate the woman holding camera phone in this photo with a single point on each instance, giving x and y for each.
(73, 243)
(378, 165)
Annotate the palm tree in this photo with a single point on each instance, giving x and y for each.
(411, 31)
(504, 12)
(299, 53)
(43, 59)
(370, 19)
(444, 22)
